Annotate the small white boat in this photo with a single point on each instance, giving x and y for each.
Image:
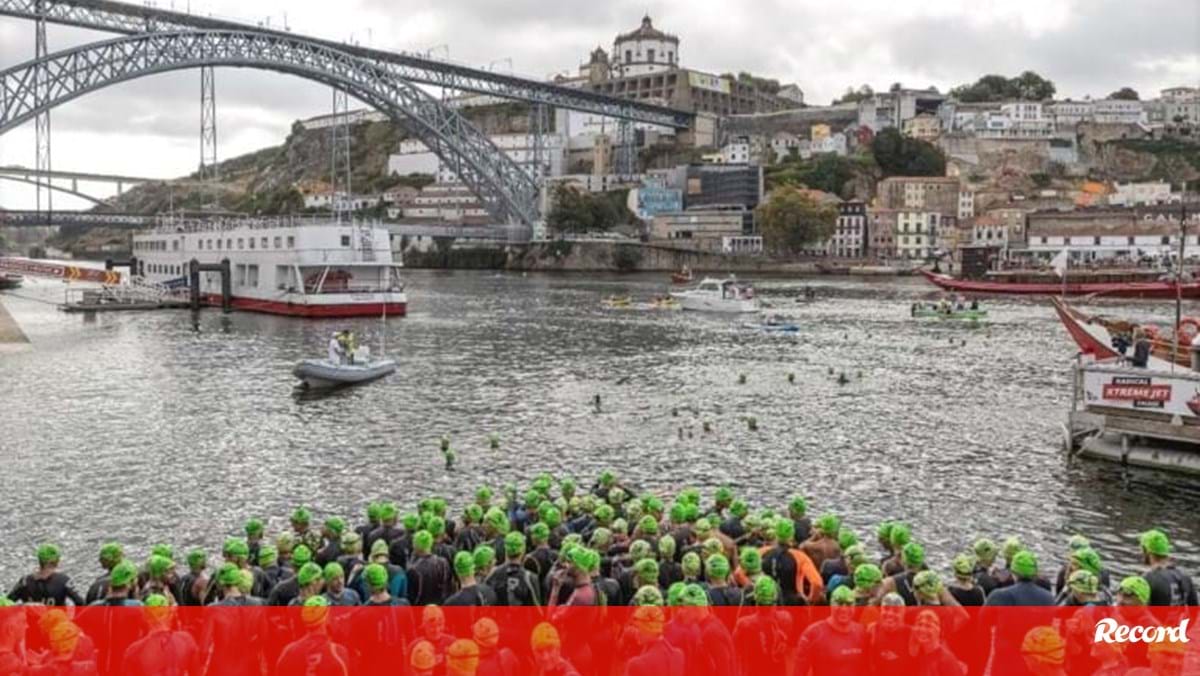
(774, 324)
(321, 374)
(718, 295)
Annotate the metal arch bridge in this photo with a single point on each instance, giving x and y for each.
(48, 185)
(126, 18)
(504, 188)
(46, 180)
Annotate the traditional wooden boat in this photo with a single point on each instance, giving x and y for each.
(1099, 336)
(1159, 289)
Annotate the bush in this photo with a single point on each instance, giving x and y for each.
(627, 257)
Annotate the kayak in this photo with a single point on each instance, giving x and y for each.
(321, 374)
(966, 315)
(773, 328)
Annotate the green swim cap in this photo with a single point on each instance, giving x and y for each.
(245, 581)
(712, 546)
(842, 596)
(716, 567)
(855, 555)
(678, 512)
(514, 544)
(237, 548)
(379, 548)
(334, 571)
(900, 535)
(496, 519)
(927, 583)
(1084, 582)
(539, 533)
(689, 496)
(739, 508)
(111, 554)
(350, 542)
(797, 506)
(553, 517)
(648, 595)
(1024, 564)
(829, 524)
(691, 512)
(123, 574)
(601, 537)
(388, 511)
(163, 550)
(646, 571)
(155, 601)
(785, 530)
(301, 517)
(374, 511)
(1155, 542)
(985, 550)
(647, 525)
(654, 505)
(766, 592)
(867, 576)
(723, 496)
(473, 513)
(315, 610)
(197, 558)
(254, 527)
(412, 522)
(846, 538)
(483, 494)
(566, 487)
(691, 564)
(1077, 542)
(48, 554)
(1011, 546)
(675, 594)
(1087, 559)
(666, 547)
(694, 595)
(616, 496)
(963, 565)
(464, 564)
(640, 549)
(6, 602)
(228, 575)
(620, 526)
(604, 515)
(436, 526)
(913, 555)
(285, 542)
(158, 566)
(267, 555)
(751, 561)
(336, 525)
(301, 555)
(703, 527)
(484, 555)
(423, 541)
(309, 573)
(607, 478)
(376, 576)
(1136, 587)
(884, 532)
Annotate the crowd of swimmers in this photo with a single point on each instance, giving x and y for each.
(707, 581)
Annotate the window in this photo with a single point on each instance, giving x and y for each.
(1096, 241)
(283, 276)
(239, 275)
(345, 240)
(252, 275)
(671, 57)
(291, 242)
(278, 241)
(264, 242)
(200, 244)
(251, 241)
(1166, 239)
(229, 244)
(174, 245)
(1043, 240)
(218, 245)
(650, 55)
(241, 243)
(628, 55)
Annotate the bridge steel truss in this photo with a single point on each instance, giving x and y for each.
(121, 17)
(506, 191)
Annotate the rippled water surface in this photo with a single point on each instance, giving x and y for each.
(140, 428)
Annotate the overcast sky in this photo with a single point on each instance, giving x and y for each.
(150, 127)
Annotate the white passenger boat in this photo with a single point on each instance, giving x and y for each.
(305, 267)
(718, 295)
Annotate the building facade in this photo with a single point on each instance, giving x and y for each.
(644, 51)
(920, 193)
(850, 234)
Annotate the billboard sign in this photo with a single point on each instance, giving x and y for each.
(653, 200)
(709, 82)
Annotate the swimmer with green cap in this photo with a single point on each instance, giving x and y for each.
(720, 592)
(648, 595)
(1169, 585)
(110, 555)
(485, 560)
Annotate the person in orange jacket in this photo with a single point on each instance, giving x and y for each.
(798, 578)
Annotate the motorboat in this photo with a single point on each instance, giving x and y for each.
(10, 280)
(774, 324)
(360, 369)
(684, 276)
(718, 295)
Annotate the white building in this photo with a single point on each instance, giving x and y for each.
(966, 204)
(1118, 111)
(917, 233)
(834, 143)
(413, 157)
(784, 144)
(453, 203)
(1141, 194)
(793, 93)
(849, 235)
(645, 50)
(1180, 94)
(1016, 120)
(736, 151)
(989, 231)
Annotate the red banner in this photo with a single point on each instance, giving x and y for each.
(608, 641)
(71, 273)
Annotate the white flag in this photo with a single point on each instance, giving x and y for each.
(1060, 263)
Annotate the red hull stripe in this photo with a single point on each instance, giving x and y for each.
(1112, 290)
(1086, 341)
(298, 310)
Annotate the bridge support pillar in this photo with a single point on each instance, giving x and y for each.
(41, 85)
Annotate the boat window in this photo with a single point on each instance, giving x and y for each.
(345, 240)
(252, 275)
(291, 242)
(241, 243)
(283, 275)
(239, 276)
(251, 241)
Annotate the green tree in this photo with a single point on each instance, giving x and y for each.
(855, 95)
(1124, 94)
(1028, 86)
(791, 220)
(578, 211)
(899, 155)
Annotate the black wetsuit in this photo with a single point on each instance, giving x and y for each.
(285, 592)
(446, 551)
(364, 533)
(1170, 586)
(98, 590)
(386, 533)
(985, 580)
(831, 567)
(724, 596)
(184, 594)
(669, 572)
(968, 597)
(476, 595)
(904, 587)
(468, 538)
(52, 591)
(429, 579)
(803, 527)
(270, 577)
(780, 566)
(733, 528)
(400, 550)
(328, 554)
(514, 585)
(540, 562)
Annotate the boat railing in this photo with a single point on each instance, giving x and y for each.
(168, 224)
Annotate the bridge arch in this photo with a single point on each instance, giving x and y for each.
(506, 191)
(57, 188)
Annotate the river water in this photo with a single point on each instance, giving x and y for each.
(144, 428)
